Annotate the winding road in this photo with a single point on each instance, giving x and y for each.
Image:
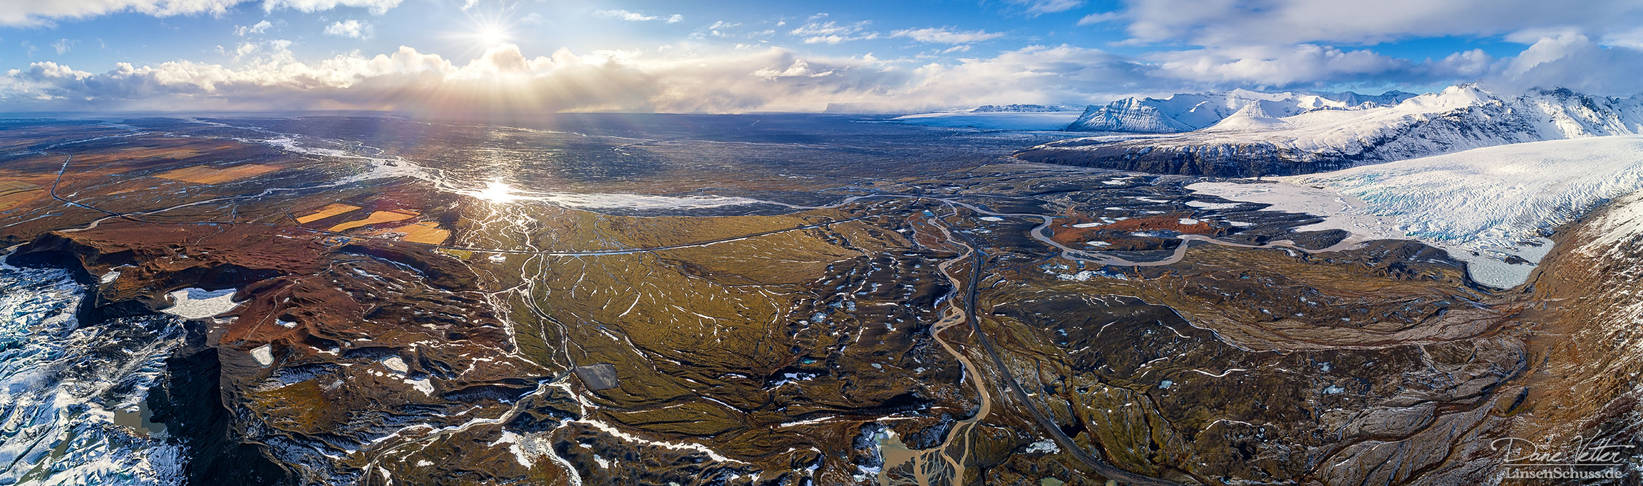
(978, 259)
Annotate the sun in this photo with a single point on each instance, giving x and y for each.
(483, 30)
(491, 35)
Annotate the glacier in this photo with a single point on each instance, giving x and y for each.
(1490, 207)
(72, 408)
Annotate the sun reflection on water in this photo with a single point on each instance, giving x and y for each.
(497, 192)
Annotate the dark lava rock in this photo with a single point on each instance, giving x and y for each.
(931, 436)
(1245, 160)
(866, 448)
(190, 403)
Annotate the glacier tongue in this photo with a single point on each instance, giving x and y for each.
(1484, 206)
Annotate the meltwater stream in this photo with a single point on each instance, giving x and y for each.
(71, 396)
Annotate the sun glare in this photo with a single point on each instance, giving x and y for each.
(491, 35)
(497, 192)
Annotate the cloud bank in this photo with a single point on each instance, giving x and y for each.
(1282, 22)
(504, 79)
(1177, 45)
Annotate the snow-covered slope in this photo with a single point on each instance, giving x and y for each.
(1192, 111)
(1489, 206)
(1252, 117)
(1266, 142)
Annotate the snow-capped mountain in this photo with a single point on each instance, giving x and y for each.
(1192, 111)
(997, 117)
(1020, 108)
(1264, 141)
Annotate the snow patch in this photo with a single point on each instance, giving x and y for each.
(396, 364)
(1086, 275)
(684, 446)
(263, 354)
(194, 303)
(1042, 446)
(421, 385)
(1212, 206)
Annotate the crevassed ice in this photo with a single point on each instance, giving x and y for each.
(1484, 206)
(71, 397)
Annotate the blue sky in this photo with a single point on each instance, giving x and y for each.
(736, 56)
(439, 26)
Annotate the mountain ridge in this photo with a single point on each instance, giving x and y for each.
(1258, 142)
(1185, 112)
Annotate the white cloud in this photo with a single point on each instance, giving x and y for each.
(940, 35)
(721, 28)
(266, 75)
(257, 28)
(62, 46)
(1465, 64)
(1276, 66)
(33, 12)
(350, 28)
(1631, 38)
(1099, 17)
(632, 16)
(1571, 61)
(505, 79)
(1040, 7)
(1283, 22)
(1037, 74)
(377, 7)
(38, 12)
(830, 32)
